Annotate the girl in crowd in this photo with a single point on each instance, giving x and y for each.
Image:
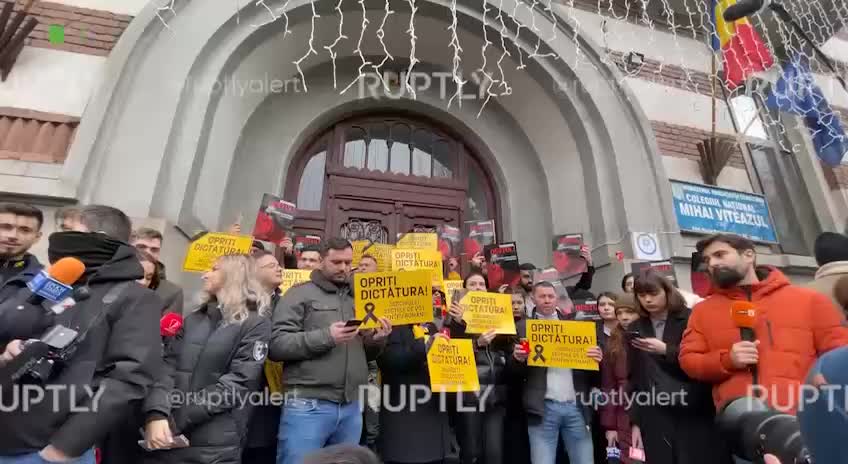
(606, 309)
(614, 419)
(681, 429)
(219, 362)
(151, 276)
(518, 450)
(480, 432)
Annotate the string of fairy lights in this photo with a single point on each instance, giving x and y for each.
(645, 27)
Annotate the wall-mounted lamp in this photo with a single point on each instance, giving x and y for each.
(634, 59)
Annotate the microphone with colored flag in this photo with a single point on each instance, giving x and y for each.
(744, 315)
(54, 284)
(170, 325)
(742, 9)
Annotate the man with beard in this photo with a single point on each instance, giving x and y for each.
(117, 350)
(20, 229)
(793, 326)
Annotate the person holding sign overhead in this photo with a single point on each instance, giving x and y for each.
(551, 395)
(317, 336)
(677, 424)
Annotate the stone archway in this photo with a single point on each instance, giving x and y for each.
(574, 156)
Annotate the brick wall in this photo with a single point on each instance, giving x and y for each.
(682, 142)
(35, 136)
(93, 32)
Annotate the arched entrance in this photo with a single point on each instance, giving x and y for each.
(375, 176)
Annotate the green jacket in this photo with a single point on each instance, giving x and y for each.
(314, 367)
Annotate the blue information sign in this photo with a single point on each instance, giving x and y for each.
(707, 209)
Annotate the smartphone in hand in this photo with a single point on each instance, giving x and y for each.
(353, 323)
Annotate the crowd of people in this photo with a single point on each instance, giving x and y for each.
(130, 386)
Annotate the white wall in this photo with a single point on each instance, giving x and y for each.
(125, 7)
(52, 81)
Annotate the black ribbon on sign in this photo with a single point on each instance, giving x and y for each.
(369, 313)
(539, 349)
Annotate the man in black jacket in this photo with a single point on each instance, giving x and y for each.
(556, 398)
(150, 240)
(118, 350)
(20, 229)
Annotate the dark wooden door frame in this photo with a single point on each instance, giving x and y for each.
(407, 191)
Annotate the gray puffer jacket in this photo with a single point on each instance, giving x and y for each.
(314, 366)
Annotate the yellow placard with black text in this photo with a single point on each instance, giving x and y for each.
(418, 241)
(203, 252)
(382, 253)
(486, 311)
(561, 344)
(401, 297)
(409, 260)
(449, 287)
(451, 365)
(292, 277)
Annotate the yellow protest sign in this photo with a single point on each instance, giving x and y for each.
(401, 297)
(292, 277)
(382, 253)
(452, 366)
(449, 287)
(358, 247)
(409, 260)
(418, 241)
(203, 252)
(561, 344)
(486, 311)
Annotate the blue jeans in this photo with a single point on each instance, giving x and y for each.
(308, 425)
(565, 420)
(35, 458)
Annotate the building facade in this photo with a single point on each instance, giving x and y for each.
(574, 117)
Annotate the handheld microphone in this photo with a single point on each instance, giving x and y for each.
(741, 9)
(55, 284)
(744, 315)
(170, 325)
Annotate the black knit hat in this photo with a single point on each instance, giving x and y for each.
(830, 247)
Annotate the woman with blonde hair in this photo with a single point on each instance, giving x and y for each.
(220, 356)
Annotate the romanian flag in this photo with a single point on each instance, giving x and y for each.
(743, 50)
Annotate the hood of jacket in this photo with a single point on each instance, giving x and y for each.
(771, 280)
(123, 266)
(834, 268)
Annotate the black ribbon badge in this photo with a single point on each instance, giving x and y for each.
(539, 349)
(369, 313)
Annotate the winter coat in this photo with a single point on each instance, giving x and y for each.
(678, 419)
(794, 325)
(314, 367)
(614, 417)
(218, 371)
(402, 364)
(15, 274)
(826, 278)
(115, 363)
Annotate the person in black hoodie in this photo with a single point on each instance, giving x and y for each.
(674, 417)
(218, 370)
(118, 349)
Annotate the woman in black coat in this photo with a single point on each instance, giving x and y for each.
(672, 416)
(412, 427)
(218, 370)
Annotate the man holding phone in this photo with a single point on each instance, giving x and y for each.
(317, 336)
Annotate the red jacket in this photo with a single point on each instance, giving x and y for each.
(794, 326)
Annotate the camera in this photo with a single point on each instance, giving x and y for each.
(753, 430)
(40, 358)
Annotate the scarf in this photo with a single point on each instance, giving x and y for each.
(94, 249)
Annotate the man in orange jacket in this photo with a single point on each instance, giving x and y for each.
(792, 327)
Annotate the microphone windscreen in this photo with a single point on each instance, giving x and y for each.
(67, 270)
(742, 9)
(170, 324)
(744, 314)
